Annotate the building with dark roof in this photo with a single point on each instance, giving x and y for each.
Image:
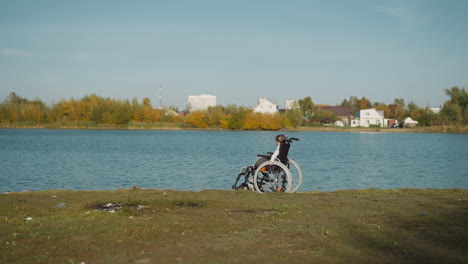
(342, 112)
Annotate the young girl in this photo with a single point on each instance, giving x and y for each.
(279, 139)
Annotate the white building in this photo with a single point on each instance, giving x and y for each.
(201, 102)
(409, 122)
(368, 117)
(266, 106)
(291, 104)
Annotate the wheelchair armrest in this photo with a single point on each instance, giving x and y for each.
(264, 156)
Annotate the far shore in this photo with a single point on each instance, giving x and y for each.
(433, 129)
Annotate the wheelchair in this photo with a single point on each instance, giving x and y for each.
(283, 175)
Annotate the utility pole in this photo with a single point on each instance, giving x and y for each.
(160, 96)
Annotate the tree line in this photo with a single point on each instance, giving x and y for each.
(92, 110)
(454, 111)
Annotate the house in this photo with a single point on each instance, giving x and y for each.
(291, 104)
(266, 106)
(409, 122)
(342, 112)
(370, 117)
(201, 102)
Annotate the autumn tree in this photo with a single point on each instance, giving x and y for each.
(364, 103)
(413, 110)
(271, 121)
(353, 103)
(293, 117)
(324, 116)
(197, 119)
(145, 112)
(253, 121)
(428, 118)
(17, 109)
(12, 105)
(235, 116)
(169, 115)
(214, 115)
(456, 108)
(400, 102)
(307, 106)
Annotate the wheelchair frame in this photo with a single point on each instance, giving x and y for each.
(277, 177)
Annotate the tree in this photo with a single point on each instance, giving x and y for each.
(307, 106)
(147, 102)
(353, 103)
(413, 110)
(428, 118)
(345, 103)
(271, 121)
(13, 104)
(37, 111)
(214, 115)
(383, 107)
(325, 116)
(234, 116)
(252, 121)
(452, 112)
(293, 117)
(400, 102)
(364, 103)
(17, 109)
(396, 112)
(455, 109)
(197, 119)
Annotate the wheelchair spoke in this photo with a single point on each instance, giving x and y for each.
(272, 178)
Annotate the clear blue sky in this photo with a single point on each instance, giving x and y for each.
(238, 50)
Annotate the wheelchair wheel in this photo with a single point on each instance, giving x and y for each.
(296, 174)
(272, 178)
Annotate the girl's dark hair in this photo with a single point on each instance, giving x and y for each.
(281, 138)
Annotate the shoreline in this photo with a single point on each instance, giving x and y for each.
(135, 188)
(435, 129)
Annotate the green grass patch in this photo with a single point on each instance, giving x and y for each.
(216, 226)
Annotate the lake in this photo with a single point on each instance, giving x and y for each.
(196, 160)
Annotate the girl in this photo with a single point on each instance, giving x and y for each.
(279, 139)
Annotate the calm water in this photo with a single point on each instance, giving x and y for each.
(197, 160)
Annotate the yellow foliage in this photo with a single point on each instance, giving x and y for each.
(287, 123)
(272, 122)
(197, 119)
(225, 119)
(252, 121)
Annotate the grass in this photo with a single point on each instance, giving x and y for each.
(217, 226)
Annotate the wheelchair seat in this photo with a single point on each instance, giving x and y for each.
(282, 156)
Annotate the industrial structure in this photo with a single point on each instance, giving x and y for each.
(201, 102)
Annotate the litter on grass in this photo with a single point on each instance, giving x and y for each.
(112, 207)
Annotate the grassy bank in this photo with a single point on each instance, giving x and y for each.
(215, 226)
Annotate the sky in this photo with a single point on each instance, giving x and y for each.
(237, 50)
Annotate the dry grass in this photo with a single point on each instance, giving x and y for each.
(215, 226)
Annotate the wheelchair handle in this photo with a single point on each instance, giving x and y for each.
(295, 139)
